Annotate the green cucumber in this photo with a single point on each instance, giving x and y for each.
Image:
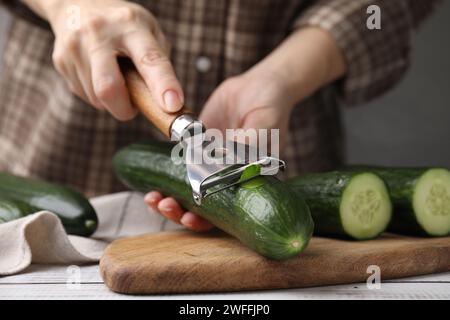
(346, 204)
(263, 213)
(74, 210)
(421, 198)
(11, 209)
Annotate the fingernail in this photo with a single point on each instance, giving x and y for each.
(172, 101)
(165, 209)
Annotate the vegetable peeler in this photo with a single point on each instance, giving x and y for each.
(222, 165)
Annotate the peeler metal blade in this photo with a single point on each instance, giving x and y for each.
(213, 166)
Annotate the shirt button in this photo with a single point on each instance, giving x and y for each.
(203, 64)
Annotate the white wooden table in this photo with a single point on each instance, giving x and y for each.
(56, 282)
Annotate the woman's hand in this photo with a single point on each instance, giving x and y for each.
(254, 100)
(263, 98)
(90, 34)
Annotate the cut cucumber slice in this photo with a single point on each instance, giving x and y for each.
(346, 204)
(365, 206)
(431, 201)
(421, 199)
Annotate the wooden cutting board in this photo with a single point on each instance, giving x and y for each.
(187, 262)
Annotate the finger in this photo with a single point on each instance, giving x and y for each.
(196, 223)
(83, 72)
(68, 72)
(264, 118)
(80, 73)
(152, 199)
(109, 85)
(75, 83)
(170, 208)
(165, 45)
(156, 70)
(210, 116)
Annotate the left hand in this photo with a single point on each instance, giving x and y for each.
(252, 100)
(263, 97)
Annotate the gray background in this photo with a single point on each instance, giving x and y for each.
(411, 124)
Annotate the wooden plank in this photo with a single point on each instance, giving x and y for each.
(437, 277)
(44, 291)
(355, 291)
(186, 262)
(50, 282)
(48, 274)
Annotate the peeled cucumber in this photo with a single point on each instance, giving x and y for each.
(264, 213)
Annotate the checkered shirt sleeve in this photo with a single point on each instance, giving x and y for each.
(376, 58)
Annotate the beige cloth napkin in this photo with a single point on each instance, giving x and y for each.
(41, 238)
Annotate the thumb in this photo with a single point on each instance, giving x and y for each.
(213, 114)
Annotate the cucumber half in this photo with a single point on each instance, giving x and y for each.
(431, 201)
(347, 204)
(365, 207)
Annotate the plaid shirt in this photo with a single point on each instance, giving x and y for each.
(47, 132)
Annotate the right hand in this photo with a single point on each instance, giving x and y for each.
(86, 56)
(86, 51)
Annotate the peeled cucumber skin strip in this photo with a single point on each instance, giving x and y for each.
(402, 183)
(324, 193)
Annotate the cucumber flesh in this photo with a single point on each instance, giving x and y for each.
(431, 201)
(365, 206)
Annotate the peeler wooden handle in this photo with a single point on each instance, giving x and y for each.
(142, 99)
